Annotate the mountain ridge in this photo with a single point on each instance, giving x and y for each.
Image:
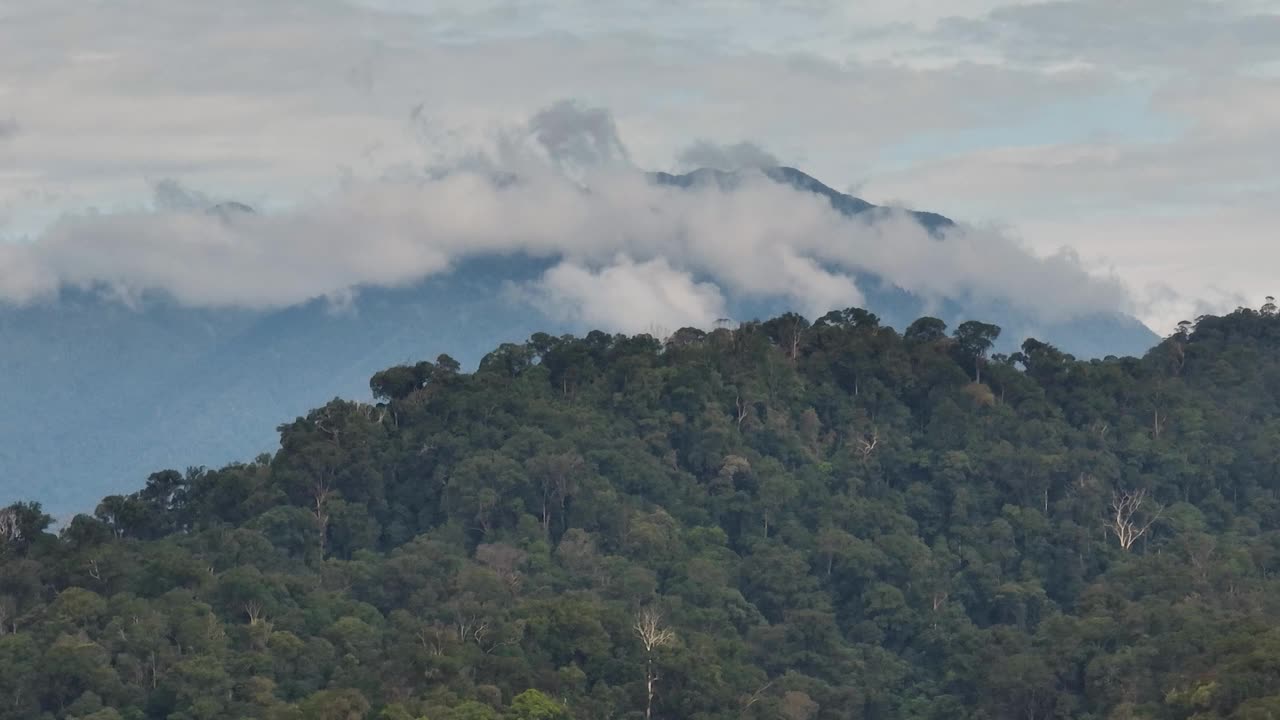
(844, 203)
(164, 384)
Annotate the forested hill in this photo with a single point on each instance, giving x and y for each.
(783, 520)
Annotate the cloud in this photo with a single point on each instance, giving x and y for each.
(1197, 36)
(1208, 259)
(577, 137)
(629, 251)
(626, 296)
(172, 195)
(738, 156)
(8, 128)
(260, 95)
(974, 108)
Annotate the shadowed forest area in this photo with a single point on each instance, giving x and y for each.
(795, 520)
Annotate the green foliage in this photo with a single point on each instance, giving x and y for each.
(533, 705)
(782, 520)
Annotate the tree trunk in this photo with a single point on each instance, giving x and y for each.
(650, 679)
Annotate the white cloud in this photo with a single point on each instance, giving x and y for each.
(760, 239)
(735, 156)
(280, 102)
(626, 296)
(1183, 264)
(251, 97)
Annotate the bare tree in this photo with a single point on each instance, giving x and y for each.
(755, 697)
(868, 442)
(505, 560)
(558, 475)
(434, 637)
(10, 529)
(320, 494)
(1128, 520)
(653, 635)
(253, 610)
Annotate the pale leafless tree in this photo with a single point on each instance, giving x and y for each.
(10, 530)
(504, 560)
(1128, 520)
(867, 443)
(653, 635)
(755, 697)
(253, 610)
(320, 494)
(434, 637)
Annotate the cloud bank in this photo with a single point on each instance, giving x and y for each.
(628, 296)
(628, 253)
(1075, 119)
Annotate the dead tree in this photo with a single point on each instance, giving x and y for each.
(320, 494)
(867, 444)
(253, 610)
(505, 561)
(653, 635)
(755, 697)
(558, 475)
(434, 638)
(1128, 522)
(10, 528)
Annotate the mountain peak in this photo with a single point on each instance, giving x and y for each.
(229, 209)
(784, 175)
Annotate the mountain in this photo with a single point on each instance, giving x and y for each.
(780, 520)
(114, 392)
(846, 204)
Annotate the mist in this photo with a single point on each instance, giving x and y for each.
(627, 253)
(737, 156)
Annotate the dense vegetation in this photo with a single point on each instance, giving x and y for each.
(159, 384)
(784, 520)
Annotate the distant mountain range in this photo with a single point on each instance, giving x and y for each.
(95, 395)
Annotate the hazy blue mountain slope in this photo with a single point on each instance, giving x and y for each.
(115, 392)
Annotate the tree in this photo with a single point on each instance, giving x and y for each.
(22, 524)
(396, 383)
(797, 705)
(344, 704)
(973, 341)
(557, 475)
(925, 330)
(787, 332)
(1129, 521)
(653, 635)
(533, 705)
(921, 556)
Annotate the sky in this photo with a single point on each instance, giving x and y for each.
(1113, 152)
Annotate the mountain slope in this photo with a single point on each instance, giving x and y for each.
(115, 392)
(784, 520)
